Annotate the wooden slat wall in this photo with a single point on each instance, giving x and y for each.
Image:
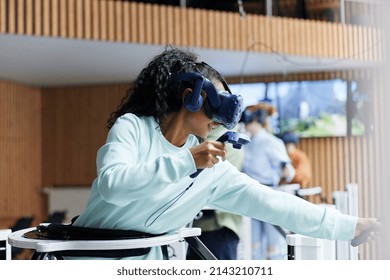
(123, 21)
(74, 128)
(21, 152)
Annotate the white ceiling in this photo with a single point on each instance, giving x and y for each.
(53, 62)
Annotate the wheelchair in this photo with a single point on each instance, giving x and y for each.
(100, 243)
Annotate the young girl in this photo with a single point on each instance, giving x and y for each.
(144, 170)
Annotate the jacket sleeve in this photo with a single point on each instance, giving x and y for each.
(240, 194)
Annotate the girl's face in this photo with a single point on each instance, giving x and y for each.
(199, 123)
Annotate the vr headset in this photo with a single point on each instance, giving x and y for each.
(220, 106)
(258, 115)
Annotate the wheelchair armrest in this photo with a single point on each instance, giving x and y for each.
(17, 239)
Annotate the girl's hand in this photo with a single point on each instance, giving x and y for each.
(206, 154)
(366, 229)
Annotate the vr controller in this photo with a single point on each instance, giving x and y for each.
(232, 137)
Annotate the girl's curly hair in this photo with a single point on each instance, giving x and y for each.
(155, 92)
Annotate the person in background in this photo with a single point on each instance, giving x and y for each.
(144, 176)
(299, 160)
(267, 161)
(266, 158)
(221, 230)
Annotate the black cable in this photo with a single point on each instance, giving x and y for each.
(165, 207)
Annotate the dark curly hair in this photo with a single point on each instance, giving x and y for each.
(155, 92)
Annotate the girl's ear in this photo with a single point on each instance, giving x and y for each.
(191, 102)
(186, 92)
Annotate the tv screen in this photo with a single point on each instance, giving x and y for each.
(310, 108)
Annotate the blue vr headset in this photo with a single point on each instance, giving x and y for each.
(222, 107)
(258, 115)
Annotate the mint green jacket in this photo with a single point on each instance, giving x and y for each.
(142, 180)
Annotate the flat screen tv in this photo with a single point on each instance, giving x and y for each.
(310, 108)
